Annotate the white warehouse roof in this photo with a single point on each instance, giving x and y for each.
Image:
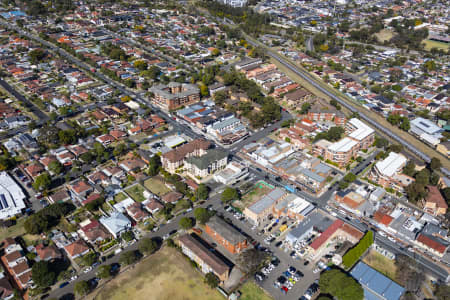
(11, 197)
(391, 164)
(344, 145)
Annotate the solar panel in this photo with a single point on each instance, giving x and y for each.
(3, 201)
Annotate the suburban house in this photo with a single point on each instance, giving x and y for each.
(434, 203)
(207, 261)
(47, 253)
(92, 231)
(76, 249)
(226, 235)
(116, 223)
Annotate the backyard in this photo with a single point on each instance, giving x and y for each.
(120, 197)
(12, 231)
(381, 263)
(165, 275)
(156, 186)
(136, 192)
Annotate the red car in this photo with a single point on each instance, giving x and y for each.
(284, 289)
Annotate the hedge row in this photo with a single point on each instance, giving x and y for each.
(352, 255)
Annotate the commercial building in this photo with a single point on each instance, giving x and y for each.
(175, 95)
(11, 197)
(194, 248)
(232, 173)
(260, 210)
(426, 130)
(226, 235)
(375, 284)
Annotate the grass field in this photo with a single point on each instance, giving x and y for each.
(384, 35)
(167, 275)
(381, 263)
(120, 197)
(253, 195)
(250, 291)
(156, 186)
(136, 192)
(12, 231)
(434, 44)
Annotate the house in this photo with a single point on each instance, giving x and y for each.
(116, 223)
(76, 249)
(80, 189)
(172, 197)
(6, 289)
(194, 248)
(98, 177)
(434, 203)
(226, 235)
(105, 139)
(435, 245)
(47, 253)
(444, 148)
(137, 213)
(59, 196)
(16, 263)
(93, 232)
(34, 169)
(132, 164)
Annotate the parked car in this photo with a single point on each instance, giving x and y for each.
(63, 284)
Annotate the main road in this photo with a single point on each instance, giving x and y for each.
(306, 76)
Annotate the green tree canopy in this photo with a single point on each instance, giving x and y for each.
(186, 223)
(148, 246)
(42, 275)
(202, 215)
(230, 194)
(104, 271)
(342, 286)
(128, 258)
(202, 191)
(212, 280)
(42, 182)
(81, 288)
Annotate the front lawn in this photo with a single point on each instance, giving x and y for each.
(166, 275)
(381, 263)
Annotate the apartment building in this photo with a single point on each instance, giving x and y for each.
(226, 235)
(208, 262)
(172, 160)
(388, 172)
(174, 95)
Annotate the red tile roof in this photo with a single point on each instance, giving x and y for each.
(435, 196)
(318, 242)
(431, 243)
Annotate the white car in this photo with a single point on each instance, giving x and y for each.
(316, 270)
(87, 270)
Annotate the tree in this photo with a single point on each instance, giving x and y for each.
(410, 168)
(204, 91)
(90, 258)
(155, 165)
(435, 164)
(340, 285)
(442, 292)
(148, 246)
(202, 191)
(251, 259)
(229, 194)
(305, 108)
(212, 280)
(127, 236)
(42, 275)
(56, 167)
(128, 258)
(381, 142)
(104, 271)
(423, 177)
(349, 258)
(350, 177)
(186, 223)
(81, 288)
(36, 55)
(343, 184)
(202, 215)
(120, 149)
(42, 182)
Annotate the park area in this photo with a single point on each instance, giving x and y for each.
(12, 231)
(250, 291)
(381, 263)
(429, 44)
(260, 189)
(156, 186)
(165, 275)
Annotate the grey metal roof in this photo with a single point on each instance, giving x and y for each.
(375, 284)
(225, 230)
(267, 201)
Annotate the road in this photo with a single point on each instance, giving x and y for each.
(306, 76)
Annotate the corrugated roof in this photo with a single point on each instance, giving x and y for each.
(375, 284)
(326, 234)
